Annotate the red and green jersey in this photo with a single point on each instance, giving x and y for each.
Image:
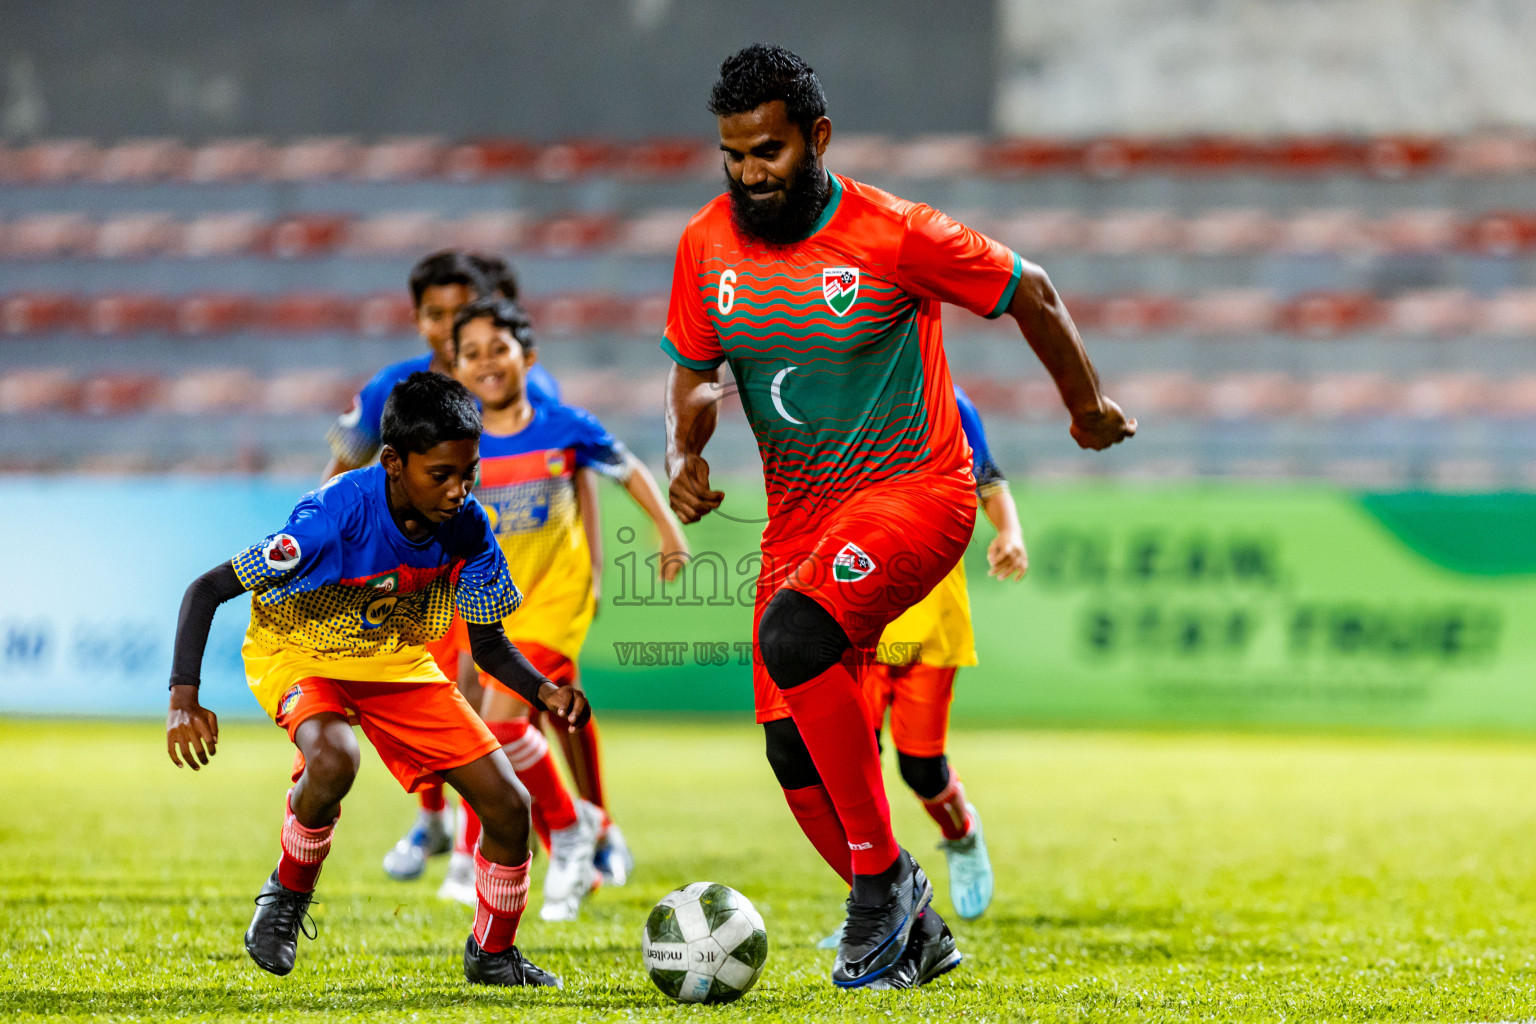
(835, 341)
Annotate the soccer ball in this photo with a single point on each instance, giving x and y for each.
(704, 943)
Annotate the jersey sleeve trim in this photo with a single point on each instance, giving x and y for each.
(682, 360)
(1006, 299)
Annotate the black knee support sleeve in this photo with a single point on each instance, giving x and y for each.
(925, 776)
(787, 756)
(798, 639)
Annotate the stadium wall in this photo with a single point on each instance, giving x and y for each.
(1190, 605)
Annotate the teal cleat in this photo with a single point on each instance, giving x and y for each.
(970, 871)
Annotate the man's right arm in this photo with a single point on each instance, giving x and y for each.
(693, 409)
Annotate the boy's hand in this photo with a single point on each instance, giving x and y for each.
(567, 702)
(1006, 557)
(190, 727)
(674, 553)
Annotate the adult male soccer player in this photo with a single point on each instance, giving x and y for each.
(367, 570)
(823, 294)
(913, 678)
(531, 457)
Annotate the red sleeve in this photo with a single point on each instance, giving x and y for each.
(942, 259)
(690, 338)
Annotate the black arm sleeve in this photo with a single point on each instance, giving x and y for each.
(202, 599)
(494, 653)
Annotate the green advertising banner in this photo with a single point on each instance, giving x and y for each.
(1202, 604)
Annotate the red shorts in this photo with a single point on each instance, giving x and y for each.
(918, 698)
(556, 667)
(446, 650)
(878, 554)
(419, 729)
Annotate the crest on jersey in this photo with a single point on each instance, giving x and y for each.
(388, 583)
(840, 285)
(283, 552)
(290, 699)
(554, 461)
(851, 564)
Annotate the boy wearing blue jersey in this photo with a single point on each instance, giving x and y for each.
(367, 570)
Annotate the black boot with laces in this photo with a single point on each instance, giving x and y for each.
(273, 937)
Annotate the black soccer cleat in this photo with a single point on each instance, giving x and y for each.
(875, 937)
(509, 968)
(930, 952)
(273, 937)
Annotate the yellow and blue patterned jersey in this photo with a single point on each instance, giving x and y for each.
(989, 478)
(527, 485)
(341, 581)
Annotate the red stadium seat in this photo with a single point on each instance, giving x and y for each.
(119, 394)
(1117, 158)
(1440, 311)
(224, 234)
(579, 233)
(309, 391)
(667, 158)
(1206, 155)
(1445, 395)
(1222, 232)
(143, 160)
(491, 158)
(1419, 231)
(41, 312)
(137, 236)
(308, 314)
(308, 235)
(1128, 232)
(215, 313)
(1399, 156)
(1502, 234)
(1329, 314)
(1253, 395)
(1504, 154)
(1024, 157)
(1040, 231)
(199, 392)
(1348, 395)
(647, 315)
(231, 160)
(570, 314)
(989, 394)
(402, 159)
(1239, 311)
(1316, 155)
(317, 159)
(1516, 397)
(858, 155)
(654, 233)
(395, 234)
(39, 390)
(1511, 312)
(489, 231)
(1131, 315)
(562, 161)
(49, 236)
(57, 161)
(386, 313)
(1172, 394)
(1326, 231)
(124, 314)
(937, 156)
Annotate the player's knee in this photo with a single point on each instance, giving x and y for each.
(504, 814)
(925, 776)
(787, 756)
(798, 639)
(331, 768)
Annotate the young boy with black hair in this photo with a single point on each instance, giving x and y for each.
(533, 456)
(368, 569)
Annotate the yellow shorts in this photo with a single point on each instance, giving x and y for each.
(271, 675)
(556, 613)
(936, 631)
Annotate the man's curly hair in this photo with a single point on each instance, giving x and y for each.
(761, 74)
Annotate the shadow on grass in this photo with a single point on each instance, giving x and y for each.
(339, 999)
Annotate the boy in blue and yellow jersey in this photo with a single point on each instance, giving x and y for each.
(367, 570)
(532, 459)
(914, 676)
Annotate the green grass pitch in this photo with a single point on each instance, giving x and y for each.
(1140, 878)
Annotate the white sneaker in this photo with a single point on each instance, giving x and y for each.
(428, 837)
(459, 883)
(570, 873)
(613, 857)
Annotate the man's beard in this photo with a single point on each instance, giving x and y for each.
(788, 218)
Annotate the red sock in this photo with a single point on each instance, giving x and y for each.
(528, 751)
(948, 809)
(813, 809)
(432, 798)
(469, 831)
(540, 826)
(501, 892)
(830, 714)
(304, 851)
